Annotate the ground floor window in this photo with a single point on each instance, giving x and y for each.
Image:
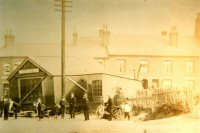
(97, 87)
(167, 83)
(155, 83)
(189, 84)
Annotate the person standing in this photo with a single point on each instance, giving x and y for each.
(109, 108)
(63, 104)
(56, 110)
(39, 108)
(72, 105)
(1, 106)
(16, 109)
(127, 109)
(86, 106)
(6, 108)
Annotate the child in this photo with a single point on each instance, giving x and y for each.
(56, 109)
(127, 109)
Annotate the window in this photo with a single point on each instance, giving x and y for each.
(189, 84)
(189, 66)
(155, 83)
(167, 83)
(121, 65)
(97, 87)
(144, 64)
(168, 66)
(7, 69)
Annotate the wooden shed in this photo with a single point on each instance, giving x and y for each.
(28, 82)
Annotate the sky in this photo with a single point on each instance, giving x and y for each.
(36, 21)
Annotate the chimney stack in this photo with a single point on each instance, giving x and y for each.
(197, 26)
(75, 38)
(173, 36)
(9, 39)
(104, 34)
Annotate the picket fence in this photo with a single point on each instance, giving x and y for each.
(152, 98)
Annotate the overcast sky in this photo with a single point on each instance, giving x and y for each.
(33, 21)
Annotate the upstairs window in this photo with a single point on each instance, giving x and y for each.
(7, 69)
(168, 66)
(144, 66)
(189, 67)
(121, 65)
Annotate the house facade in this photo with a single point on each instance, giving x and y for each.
(107, 61)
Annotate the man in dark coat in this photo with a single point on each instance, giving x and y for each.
(63, 104)
(6, 109)
(72, 105)
(15, 108)
(1, 106)
(86, 106)
(109, 108)
(39, 109)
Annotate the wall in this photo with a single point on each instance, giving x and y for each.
(49, 91)
(128, 86)
(11, 61)
(57, 88)
(156, 69)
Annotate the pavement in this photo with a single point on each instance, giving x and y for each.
(178, 124)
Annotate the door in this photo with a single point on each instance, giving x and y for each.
(26, 85)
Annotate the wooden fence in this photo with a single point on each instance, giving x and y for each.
(153, 98)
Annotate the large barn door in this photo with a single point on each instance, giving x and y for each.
(26, 85)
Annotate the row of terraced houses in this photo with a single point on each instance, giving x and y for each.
(100, 63)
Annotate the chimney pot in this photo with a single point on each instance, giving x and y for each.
(173, 36)
(9, 39)
(197, 26)
(75, 38)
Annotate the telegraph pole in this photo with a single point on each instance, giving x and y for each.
(63, 48)
(63, 5)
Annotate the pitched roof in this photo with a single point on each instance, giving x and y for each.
(87, 46)
(74, 65)
(21, 65)
(153, 46)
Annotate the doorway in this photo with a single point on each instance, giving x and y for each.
(25, 86)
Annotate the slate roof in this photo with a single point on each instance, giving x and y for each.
(153, 46)
(74, 65)
(87, 46)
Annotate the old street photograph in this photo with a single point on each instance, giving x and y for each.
(99, 66)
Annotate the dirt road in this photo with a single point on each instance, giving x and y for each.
(180, 124)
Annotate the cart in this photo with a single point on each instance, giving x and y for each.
(116, 110)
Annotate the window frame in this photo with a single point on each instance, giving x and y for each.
(163, 86)
(144, 65)
(122, 66)
(168, 69)
(187, 70)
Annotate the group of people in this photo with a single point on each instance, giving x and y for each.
(126, 108)
(8, 107)
(72, 103)
(63, 103)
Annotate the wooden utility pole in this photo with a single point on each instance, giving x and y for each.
(63, 5)
(63, 48)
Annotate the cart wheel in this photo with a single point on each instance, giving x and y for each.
(100, 111)
(118, 114)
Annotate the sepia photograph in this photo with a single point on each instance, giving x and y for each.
(99, 66)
